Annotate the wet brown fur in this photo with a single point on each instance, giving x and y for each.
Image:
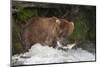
(45, 30)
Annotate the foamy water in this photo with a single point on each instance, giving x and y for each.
(43, 54)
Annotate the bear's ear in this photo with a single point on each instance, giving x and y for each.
(58, 21)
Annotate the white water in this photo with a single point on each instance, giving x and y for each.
(43, 54)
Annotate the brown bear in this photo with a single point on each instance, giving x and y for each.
(45, 30)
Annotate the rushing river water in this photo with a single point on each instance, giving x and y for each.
(43, 54)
